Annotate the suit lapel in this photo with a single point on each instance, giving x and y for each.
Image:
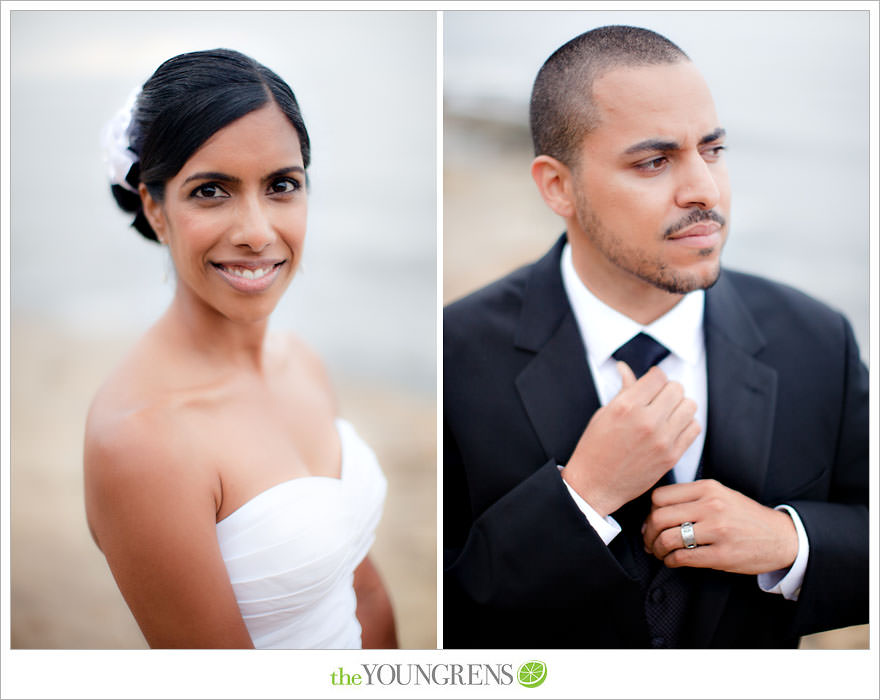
(556, 387)
(742, 393)
(557, 391)
(742, 404)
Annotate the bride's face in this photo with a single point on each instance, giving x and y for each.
(234, 217)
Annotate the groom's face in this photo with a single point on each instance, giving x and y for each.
(652, 196)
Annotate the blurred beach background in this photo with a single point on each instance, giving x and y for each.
(84, 285)
(791, 88)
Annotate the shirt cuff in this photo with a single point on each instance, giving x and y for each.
(607, 528)
(788, 581)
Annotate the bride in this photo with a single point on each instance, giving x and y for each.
(232, 505)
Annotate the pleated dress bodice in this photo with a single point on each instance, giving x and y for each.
(291, 552)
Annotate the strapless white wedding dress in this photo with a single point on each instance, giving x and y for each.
(291, 552)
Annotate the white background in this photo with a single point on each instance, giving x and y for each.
(60, 184)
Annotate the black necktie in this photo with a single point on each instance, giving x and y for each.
(665, 596)
(641, 353)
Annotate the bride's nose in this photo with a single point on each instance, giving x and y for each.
(252, 226)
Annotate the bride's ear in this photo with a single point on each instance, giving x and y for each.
(153, 212)
(554, 181)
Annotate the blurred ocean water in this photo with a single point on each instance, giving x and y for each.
(366, 296)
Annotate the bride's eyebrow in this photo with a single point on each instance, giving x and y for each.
(221, 177)
(285, 171)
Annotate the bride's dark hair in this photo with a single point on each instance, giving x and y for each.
(188, 99)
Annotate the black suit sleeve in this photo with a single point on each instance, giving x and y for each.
(835, 588)
(532, 552)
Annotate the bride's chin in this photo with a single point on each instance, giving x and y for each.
(250, 315)
(226, 304)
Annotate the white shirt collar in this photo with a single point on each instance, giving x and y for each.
(604, 329)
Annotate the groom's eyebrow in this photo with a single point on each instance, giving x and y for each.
(667, 146)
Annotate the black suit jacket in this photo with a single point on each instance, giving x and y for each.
(787, 423)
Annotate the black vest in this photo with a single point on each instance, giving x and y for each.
(666, 593)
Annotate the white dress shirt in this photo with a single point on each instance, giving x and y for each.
(603, 331)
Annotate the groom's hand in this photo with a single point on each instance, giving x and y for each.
(732, 531)
(632, 441)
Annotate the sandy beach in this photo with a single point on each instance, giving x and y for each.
(62, 593)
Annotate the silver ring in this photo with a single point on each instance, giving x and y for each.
(687, 535)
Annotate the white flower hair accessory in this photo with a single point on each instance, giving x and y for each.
(118, 156)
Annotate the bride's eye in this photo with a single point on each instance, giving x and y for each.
(210, 190)
(284, 185)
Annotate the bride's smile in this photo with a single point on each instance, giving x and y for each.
(234, 217)
(249, 276)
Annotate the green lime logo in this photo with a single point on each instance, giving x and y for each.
(531, 674)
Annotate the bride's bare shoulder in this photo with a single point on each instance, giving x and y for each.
(137, 441)
(127, 441)
(130, 399)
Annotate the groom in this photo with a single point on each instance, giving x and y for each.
(642, 449)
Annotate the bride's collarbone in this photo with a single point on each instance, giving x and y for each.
(250, 432)
(238, 392)
(259, 422)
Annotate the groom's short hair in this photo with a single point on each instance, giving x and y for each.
(562, 111)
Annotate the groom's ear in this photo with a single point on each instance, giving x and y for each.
(554, 181)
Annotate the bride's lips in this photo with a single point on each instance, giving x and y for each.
(705, 234)
(249, 276)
